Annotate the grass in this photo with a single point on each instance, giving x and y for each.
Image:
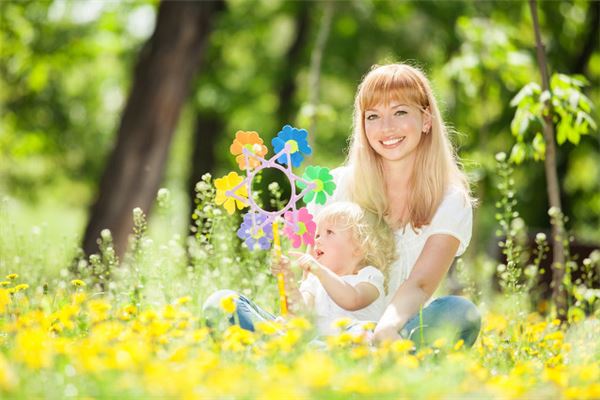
(134, 328)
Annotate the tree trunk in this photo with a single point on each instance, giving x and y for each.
(164, 73)
(290, 66)
(209, 125)
(558, 265)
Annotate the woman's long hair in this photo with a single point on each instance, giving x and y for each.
(436, 164)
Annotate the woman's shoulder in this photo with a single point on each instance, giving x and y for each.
(456, 197)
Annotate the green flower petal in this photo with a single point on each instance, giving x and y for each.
(324, 175)
(321, 198)
(309, 196)
(329, 187)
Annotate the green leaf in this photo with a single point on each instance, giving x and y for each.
(539, 147)
(517, 155)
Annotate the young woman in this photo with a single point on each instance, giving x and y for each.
(402, 166)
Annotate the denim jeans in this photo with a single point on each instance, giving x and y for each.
(450, 317)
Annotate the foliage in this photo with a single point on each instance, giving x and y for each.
(566, 103)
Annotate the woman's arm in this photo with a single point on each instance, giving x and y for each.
(344, 294)
(431, 266)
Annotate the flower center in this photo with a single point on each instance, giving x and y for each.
(257, 234)
(301, 229)
(319, 187)
(293, 145)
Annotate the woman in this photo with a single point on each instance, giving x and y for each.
(401, 165)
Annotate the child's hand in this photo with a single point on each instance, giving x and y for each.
(306, 261)
(281, 265)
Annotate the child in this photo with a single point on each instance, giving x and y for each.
(344, 271)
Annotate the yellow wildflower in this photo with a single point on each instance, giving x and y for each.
(341, 323)
(20, 287)
(268, 327)
(4, 283)
(357, 383)
(402, 346)
(12, 277)
(299, 323)
(228, 303)
(459, 345)
(78, 283)
(315, 368)
(78, 298)
(183, 300)
(4, 299)
(8, 378)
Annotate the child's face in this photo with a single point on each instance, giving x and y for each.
(336, 249)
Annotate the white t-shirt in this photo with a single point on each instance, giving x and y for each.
(327, 311)
(453, 217)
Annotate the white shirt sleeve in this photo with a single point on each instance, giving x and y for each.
(454, 217)
(309, 285)
(373, 276)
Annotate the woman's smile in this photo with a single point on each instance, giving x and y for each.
(392, 142)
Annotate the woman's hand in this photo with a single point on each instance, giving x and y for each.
(385, 332)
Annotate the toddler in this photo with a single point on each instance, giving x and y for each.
(344, 272)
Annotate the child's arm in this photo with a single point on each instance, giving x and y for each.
(344, 294)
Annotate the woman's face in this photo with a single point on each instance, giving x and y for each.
(394, 130)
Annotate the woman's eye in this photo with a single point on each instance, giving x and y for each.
(371, 117)
(400, 112)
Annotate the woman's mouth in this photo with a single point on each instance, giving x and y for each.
(392, 142)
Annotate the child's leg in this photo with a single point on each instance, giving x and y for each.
(248, 313)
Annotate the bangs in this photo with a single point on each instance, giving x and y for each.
(391, 84)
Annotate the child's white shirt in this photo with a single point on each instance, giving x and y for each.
(327, 311)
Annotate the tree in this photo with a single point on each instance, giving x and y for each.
(164, 73)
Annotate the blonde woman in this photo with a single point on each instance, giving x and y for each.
(344, 272)
(402, 167)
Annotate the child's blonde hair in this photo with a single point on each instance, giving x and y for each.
(436, 166)
(371, 233)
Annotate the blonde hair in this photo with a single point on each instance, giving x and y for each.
(436, 164)
(371, 233)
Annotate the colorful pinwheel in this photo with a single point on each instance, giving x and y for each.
(259, 227)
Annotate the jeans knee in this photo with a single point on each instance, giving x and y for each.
(214, 300)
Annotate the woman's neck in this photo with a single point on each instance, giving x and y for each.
(397, 175)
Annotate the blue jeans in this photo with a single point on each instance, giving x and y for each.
(450, 317)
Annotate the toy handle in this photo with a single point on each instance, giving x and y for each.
(280, 281)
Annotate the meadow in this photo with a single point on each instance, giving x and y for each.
(101, 327)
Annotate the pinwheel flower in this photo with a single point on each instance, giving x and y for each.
(252, 234)
(323, 180)
(226, 183)
(300, 227)
(250, 141)
(298, 145)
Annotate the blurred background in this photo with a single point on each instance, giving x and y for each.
(104, 102)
